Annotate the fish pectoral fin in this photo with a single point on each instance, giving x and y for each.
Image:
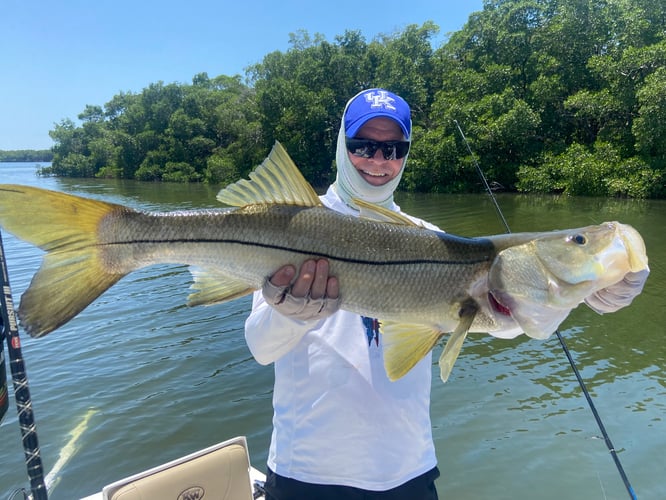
(213, 288)
(380, 214)
(405, 345)
(276, 181)
(452, 350)
(453, 346)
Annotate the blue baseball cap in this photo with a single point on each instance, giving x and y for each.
(372, 103)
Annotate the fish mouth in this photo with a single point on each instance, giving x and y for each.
(498, 306)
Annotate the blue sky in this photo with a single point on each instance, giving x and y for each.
(56, 57)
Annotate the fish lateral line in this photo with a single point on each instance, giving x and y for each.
(323, 255)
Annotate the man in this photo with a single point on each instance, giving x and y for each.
(341, 429)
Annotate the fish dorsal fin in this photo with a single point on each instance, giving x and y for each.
(381, 214)
(405, 345)
(276, 181)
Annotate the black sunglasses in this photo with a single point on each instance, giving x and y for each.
(366, 148)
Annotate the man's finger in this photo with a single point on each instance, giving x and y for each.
(283, 276)
(304, 281)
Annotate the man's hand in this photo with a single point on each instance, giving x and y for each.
(312, 295)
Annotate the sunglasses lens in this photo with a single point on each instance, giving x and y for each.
(362, 147)
(394, 150)
(401, 149)
(366, 148)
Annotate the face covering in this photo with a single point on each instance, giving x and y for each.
(349, 184)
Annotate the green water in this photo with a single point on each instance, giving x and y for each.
(160, 380)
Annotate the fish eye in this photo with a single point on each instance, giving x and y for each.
(579, 239)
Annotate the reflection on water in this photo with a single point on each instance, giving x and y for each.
(511, 423)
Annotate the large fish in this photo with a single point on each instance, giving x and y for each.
(421, 284)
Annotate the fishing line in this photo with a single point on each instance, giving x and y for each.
(581, 382)
(483, 178)
(26, 417)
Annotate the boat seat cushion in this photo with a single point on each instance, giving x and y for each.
(220, 473)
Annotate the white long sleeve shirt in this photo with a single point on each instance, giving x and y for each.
(337, 417)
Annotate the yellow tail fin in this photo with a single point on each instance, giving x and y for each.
(72, 273)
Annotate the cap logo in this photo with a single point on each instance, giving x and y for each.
(380, 99)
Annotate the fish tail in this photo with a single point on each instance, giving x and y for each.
(72, 273)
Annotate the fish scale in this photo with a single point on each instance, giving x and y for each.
(249, 244)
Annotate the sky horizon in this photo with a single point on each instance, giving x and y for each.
(59, 57)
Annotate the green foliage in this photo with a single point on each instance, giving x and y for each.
(553, 96)
(649, 127)
(597, 171)
(221, 169)
(434, 165)
(25, 155)
(73, 165)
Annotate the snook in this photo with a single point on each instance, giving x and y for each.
(420, 283)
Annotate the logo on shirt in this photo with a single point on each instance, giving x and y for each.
(371, 329)
(380, 99)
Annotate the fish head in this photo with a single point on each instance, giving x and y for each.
(539, 281)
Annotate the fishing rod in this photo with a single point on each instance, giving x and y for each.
(581, 382)
(26, 417)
